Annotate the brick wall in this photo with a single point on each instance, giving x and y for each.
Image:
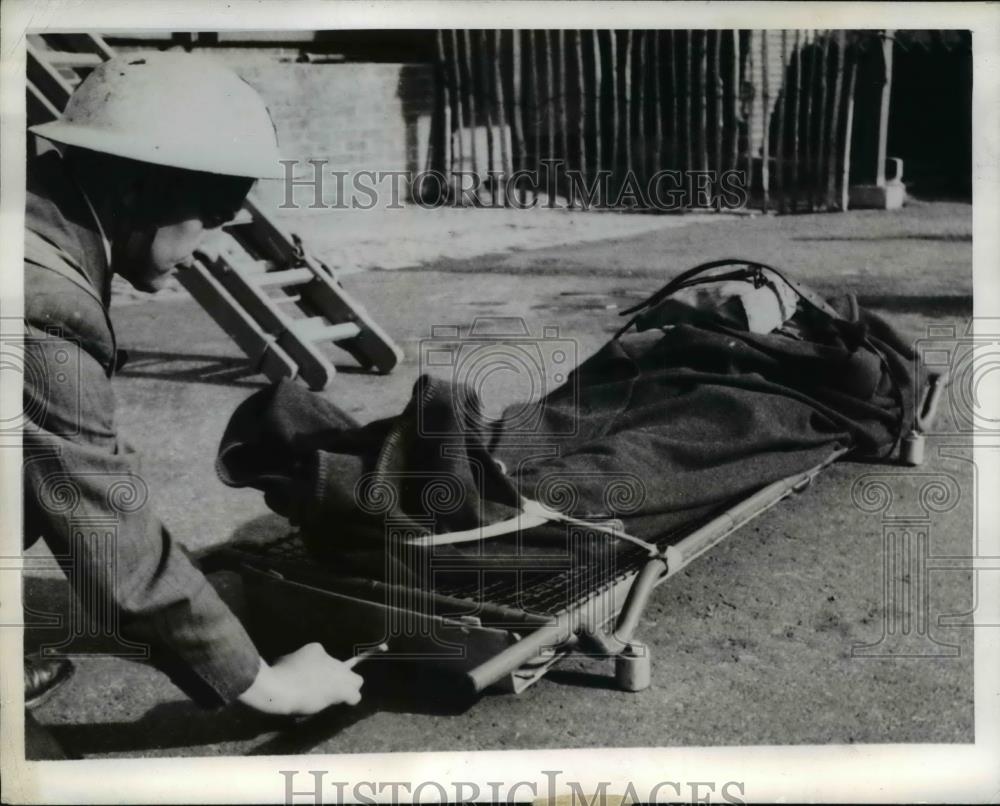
(357, 116)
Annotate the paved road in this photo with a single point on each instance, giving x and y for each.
(752, 644)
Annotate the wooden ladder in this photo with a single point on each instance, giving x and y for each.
(280, 304)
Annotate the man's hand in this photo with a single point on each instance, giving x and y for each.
(301, 683)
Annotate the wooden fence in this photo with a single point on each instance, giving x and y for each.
(777, 107)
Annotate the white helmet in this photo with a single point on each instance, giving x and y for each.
(171, 109)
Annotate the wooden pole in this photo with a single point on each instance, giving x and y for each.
(582, 96)
(779, 156)
(845, 176)
(808, 133)
(616, 138)
(459, 100)
(536, 118)
(505, 167)
(549, 97)
(657, 103)
(748, 73)
(703, 102)
(650, 109)
(822, 138)
(488, 104)
(719, 122)
(734, 159)
(627, 123)
(640, 101)
(446, 136)
(675, 107)
(688, 120)
(473, 120)
(796, 104)
(765, 123)
(517, 99)
(883, 120)
(562, 96)
(838, 88)
(598, 103)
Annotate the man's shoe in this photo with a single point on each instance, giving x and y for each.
(42, 677)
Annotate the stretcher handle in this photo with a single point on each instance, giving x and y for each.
(350, 663)
(548, 636)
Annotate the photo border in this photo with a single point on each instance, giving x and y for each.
(805, 773)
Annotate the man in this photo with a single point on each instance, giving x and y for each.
(156, 151)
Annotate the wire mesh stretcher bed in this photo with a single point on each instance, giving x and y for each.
(508, 627)
(505, 622)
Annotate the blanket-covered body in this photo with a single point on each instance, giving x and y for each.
(656, 429)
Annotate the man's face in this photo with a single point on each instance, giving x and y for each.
(159, 252)
(176, 210)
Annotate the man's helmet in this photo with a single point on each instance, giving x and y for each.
(171, 109)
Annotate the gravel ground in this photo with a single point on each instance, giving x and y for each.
(752, 644)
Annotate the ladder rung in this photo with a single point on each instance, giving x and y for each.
(317, 328)
(49, 81)
(41, 109)
(59, 58)
(287, 277)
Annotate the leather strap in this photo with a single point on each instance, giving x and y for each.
(752, 270)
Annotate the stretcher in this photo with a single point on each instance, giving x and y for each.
(509, 625)
(502, 626)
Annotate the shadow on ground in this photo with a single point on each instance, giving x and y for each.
(191, 368)
(947, 237)
(926, 304)
(400, 687)
(210, 369)
(182, 724)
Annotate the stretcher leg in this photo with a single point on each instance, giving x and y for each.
(633, 667)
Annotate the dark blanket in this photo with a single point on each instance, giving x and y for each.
(657, 429)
